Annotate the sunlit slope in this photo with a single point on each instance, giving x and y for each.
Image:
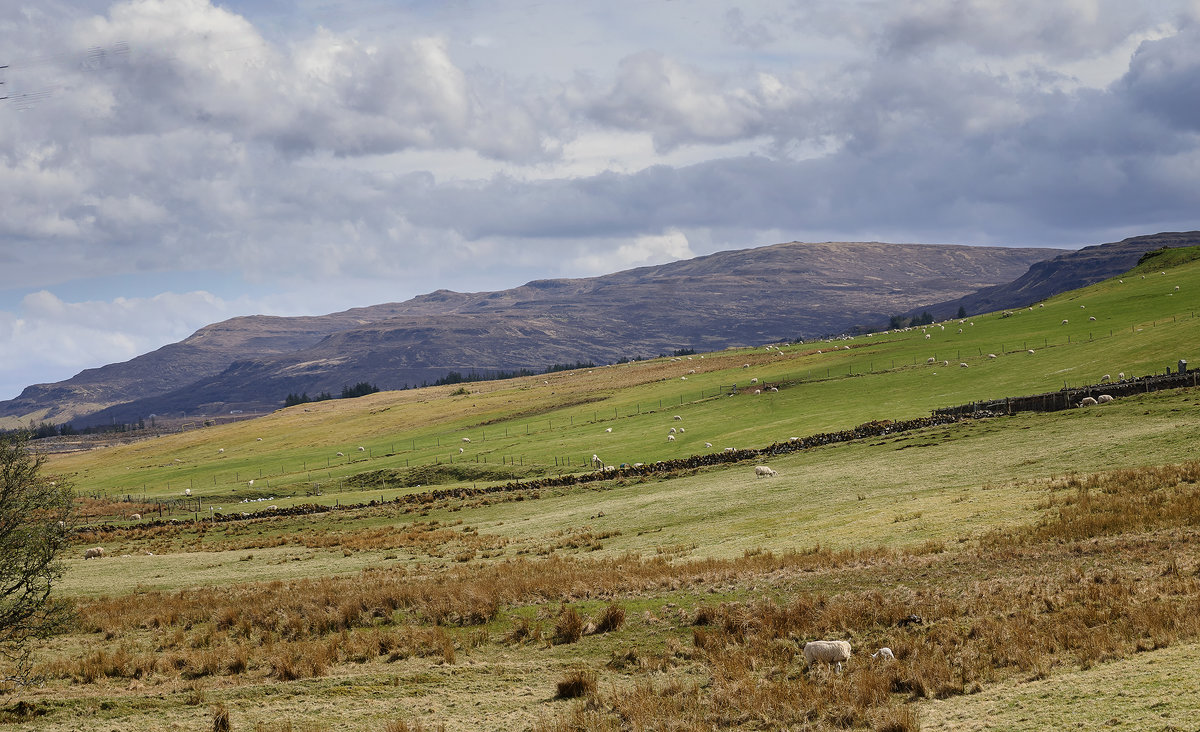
(1143, 323)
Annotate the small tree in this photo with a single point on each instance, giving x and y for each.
(962, 311)
(35, 514)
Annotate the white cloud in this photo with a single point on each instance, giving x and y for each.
(648, 249)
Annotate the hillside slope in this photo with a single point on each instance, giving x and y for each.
(1065, 272)
(729, 298)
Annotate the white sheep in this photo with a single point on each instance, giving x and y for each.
(220, 450)
(608, 430)
(1041, 304)
(885, 652)
(945, 363)
(677, 418)
(745, 365)
(762, 471)
(793, 439)
(931, 359)
(758, 391)
(1064, 321)
(1104, 398)
(729, 449)
(250, 484)
(461, 450)
(597, 462)
(466, 439)
(708, 444)
(361, 448)
(927, 336)
(1105, 378)
(991, 355)
(827, 651)
(1120, 374)
(135, 517)
(1030, 352)
(682, 430)
(963, 365)
(187, 491)
(1083, 307)
(683, 378)
(670, 438)
(672, 430)
(754, 380)
(340, 454)
(96, 552)
(1087, 402)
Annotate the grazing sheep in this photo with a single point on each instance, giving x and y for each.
(361, 448)
(259, 440)
(758, 391)
(885, 652)
(341, 454)
(945, 363)
(187, 491)
(220, 450)
(677, 418)
(672, 430)
(931, 359)
(466, 439)
(692, 371)
(608, 429)
(250, 484)
(960, 330)
(670, 438)
(745, 365)
(1176, 287)
(1087, 402)
(927, 336)
(135, 517)
(1041, 304)
(754, 380)
(683, 378)
(1105, 378)
(1083, 307)
(1120, 374)
(729, 449)
(1064, 321)
(1092, 319)
(597, 462)
(708, 444)
(461, 450)
(827, 651)
(1104, 398)
(682, 430)
(991, 355)
(762, 471)
(96, 552)
(963, 365)
(793, 439)
(1030, 352)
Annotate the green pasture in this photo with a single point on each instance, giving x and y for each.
(554, 424)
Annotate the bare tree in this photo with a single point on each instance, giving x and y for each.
(35, 516)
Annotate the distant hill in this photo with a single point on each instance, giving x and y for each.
(1068, 271)
(745, 297)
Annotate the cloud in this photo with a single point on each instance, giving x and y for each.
(670, 246)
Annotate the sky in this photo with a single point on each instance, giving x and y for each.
(166, 164)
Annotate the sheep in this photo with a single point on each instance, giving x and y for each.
(1120, 374)
(96, 552)
(1104, 398)
(1064, 321)
(1092, 319)
(670, 438)
(1176, 287)
(758, 391)
(931, 359)
(754, 380)
(773, 388)
(1105, 378)
(341, 454)
(793, 439)
(885, 652)
(708, 444)
(187, 491)
(945, 363)
(258, 440)
(827, 651)
(1121, 281)
(692, 371)
(250, 484)
(677, 418)
(220, 450)
(361, 448)
(597, 462)
(135, 517)
(762, 471)
(461, 450)
(991, 355)
(1083, 307)
(672, 430)
(608, 430)
(1030, 352)
(683, 378)
(963, 365)
(960, 330)
(1041, 304)
(745, 365)
(729, 449)
(272, 508)
(927, 336)
(1087, 402)
(466, 439)
(682, 430)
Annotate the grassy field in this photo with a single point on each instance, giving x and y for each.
(1050, 557)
